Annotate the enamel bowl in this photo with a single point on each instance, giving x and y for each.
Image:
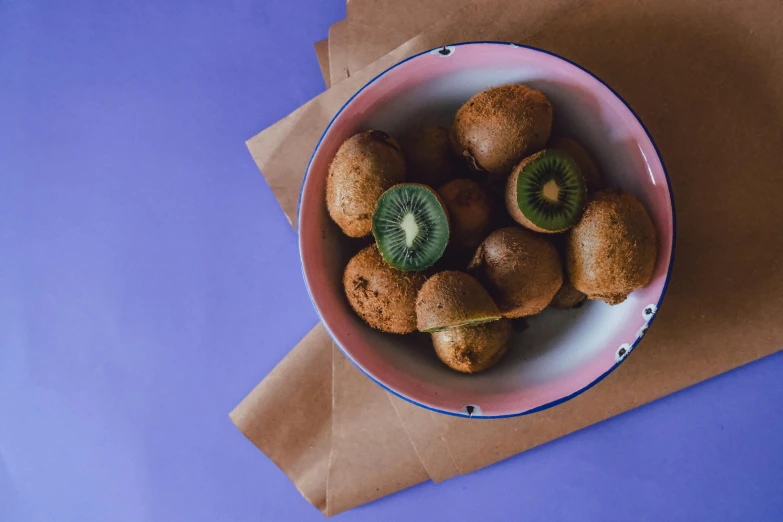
(561, 353)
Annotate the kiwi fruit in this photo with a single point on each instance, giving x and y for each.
(411, 226)
(451, 299)
(428, 156)
(612, 251)
(499, 126)
(365, 166)
(546, 192)
(521, 270)
(582, 159)
(470, 212)
(384, 297)
(471, 349)
(567, 297)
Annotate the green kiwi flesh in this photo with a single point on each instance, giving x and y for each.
(546, 192)
(411, 227)
(466, 323)
(582, 158)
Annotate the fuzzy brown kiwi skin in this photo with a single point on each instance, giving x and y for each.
(469, 210)
(567, 297)
(365, 166)
(612, 251)
(512, 203)
(471, 349)
(384, 297)
(429, 157)
(521, 270)
(499, 126)
(450, 299)
(582, 159)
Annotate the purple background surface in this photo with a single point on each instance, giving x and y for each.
(148, 280)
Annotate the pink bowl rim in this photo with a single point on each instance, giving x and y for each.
(551, 403)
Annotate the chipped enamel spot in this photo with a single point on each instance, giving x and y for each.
(471, 410)
(445, 51)
(622, 352)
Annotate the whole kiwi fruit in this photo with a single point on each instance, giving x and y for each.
(521, 270)
(582, 159)
(428, 156)
(384, 297)
(451, 299)
(499, 126)
(471, 349)
(567, 297)
(470, 212)
(613, 249)
(365, 166)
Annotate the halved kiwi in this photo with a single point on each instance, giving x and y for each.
(582, 158)
(546, 192)
(411, 227)
(452, 299)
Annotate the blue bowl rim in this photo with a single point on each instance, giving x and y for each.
(599, 378)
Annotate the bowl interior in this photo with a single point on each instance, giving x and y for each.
(560, 353)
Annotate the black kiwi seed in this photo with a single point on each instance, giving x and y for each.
(411, 227)
(546, 192)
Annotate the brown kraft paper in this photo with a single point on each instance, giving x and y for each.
(338, 40)
(706, 78)
(322, 53)
(373, 28)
